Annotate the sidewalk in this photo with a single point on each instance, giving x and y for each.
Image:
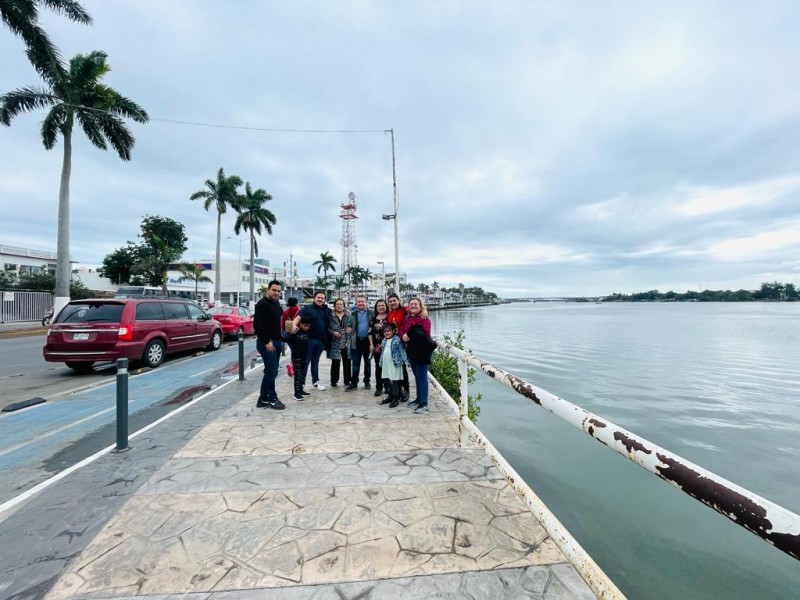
(25, 328)
(335, 497)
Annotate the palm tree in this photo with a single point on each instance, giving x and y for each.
(339, 283)
(22, 18)
(75, 95)
(366, 276)
(221, 194)
(193, 272)
(325, 264)
(253, 216)
(320, 282)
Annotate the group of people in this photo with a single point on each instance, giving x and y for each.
(392, 336)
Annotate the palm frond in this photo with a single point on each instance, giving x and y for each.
(116, 132)
(70, 9)
(23, 100)
(92, 128)
(52, 124)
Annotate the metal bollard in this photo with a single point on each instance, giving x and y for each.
(122, 405)
(241, 356)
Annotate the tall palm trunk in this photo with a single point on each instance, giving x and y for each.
(217, 264)
(251, 302)
(63, 270)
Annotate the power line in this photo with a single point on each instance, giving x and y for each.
(239, 127)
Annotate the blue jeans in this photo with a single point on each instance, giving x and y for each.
(420, 371)
(361, 351)
(315, 348)
(271, 361)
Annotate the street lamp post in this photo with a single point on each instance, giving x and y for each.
(393, 217)
(238, 271)
(383, 278)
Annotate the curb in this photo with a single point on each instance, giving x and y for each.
(23, 332)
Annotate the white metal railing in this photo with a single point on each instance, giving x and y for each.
(771, 522)
(20, 307)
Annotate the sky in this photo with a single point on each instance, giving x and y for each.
(542, 148)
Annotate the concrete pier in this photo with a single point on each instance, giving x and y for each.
(335, 497)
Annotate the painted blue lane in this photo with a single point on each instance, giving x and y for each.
(29, 438)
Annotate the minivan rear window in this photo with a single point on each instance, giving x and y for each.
(91, 312)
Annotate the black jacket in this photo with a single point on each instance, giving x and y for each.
(267, 320)
(420, 345)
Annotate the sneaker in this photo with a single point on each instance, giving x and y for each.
(304, 393)
(413, 404)
(299, 397)
(276, 405)
(421, 410)
(334, 385)
(377, 393)
(318, 386)
(350, 387)
(367, 386)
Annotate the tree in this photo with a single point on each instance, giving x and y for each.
(22, 18)
(320, 282)
(163, 243)
(325, 264)
(339, 283)
(193, 272)
(253, 216)
(366, 276)
(74, 95)
(221, 194)
(118, 266)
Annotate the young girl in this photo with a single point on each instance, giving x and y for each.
(381, 313)
(393, 357)
(341, 326)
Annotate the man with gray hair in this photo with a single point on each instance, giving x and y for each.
(360, 343)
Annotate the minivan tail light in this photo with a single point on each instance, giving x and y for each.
(126, 332)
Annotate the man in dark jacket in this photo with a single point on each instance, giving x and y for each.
(267, 326)
(319, 335)
(360, 343)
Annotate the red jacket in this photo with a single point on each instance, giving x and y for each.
(288, 315)
(423, 322)
(397, 316)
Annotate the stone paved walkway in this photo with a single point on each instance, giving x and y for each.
(336, 497)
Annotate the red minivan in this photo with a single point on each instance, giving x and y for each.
(146, 330)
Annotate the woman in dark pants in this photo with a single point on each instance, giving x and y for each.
(381, 311)
(341, 328)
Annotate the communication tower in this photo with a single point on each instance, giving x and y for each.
(349, 246)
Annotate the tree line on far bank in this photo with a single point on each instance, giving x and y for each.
(775, 291)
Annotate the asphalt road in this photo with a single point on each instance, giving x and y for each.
(79, 417)
(24, 374)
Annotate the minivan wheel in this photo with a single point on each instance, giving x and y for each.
(216, 340)
(153, 354)
(79, 366)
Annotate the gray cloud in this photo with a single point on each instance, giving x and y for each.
(541, 149)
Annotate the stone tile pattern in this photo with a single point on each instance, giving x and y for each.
(298, 506)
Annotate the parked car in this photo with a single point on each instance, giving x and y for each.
(233, 319)
(142, 330)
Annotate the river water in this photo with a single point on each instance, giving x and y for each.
(716, 383)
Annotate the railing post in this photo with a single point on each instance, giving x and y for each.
(241, 355)
(122, 405)
(463, 405)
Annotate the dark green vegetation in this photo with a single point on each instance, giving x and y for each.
(781, 292)
(444, 367)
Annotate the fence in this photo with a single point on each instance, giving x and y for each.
(771, 522)
(19, 307)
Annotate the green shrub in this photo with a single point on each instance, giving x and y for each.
(444, 367)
